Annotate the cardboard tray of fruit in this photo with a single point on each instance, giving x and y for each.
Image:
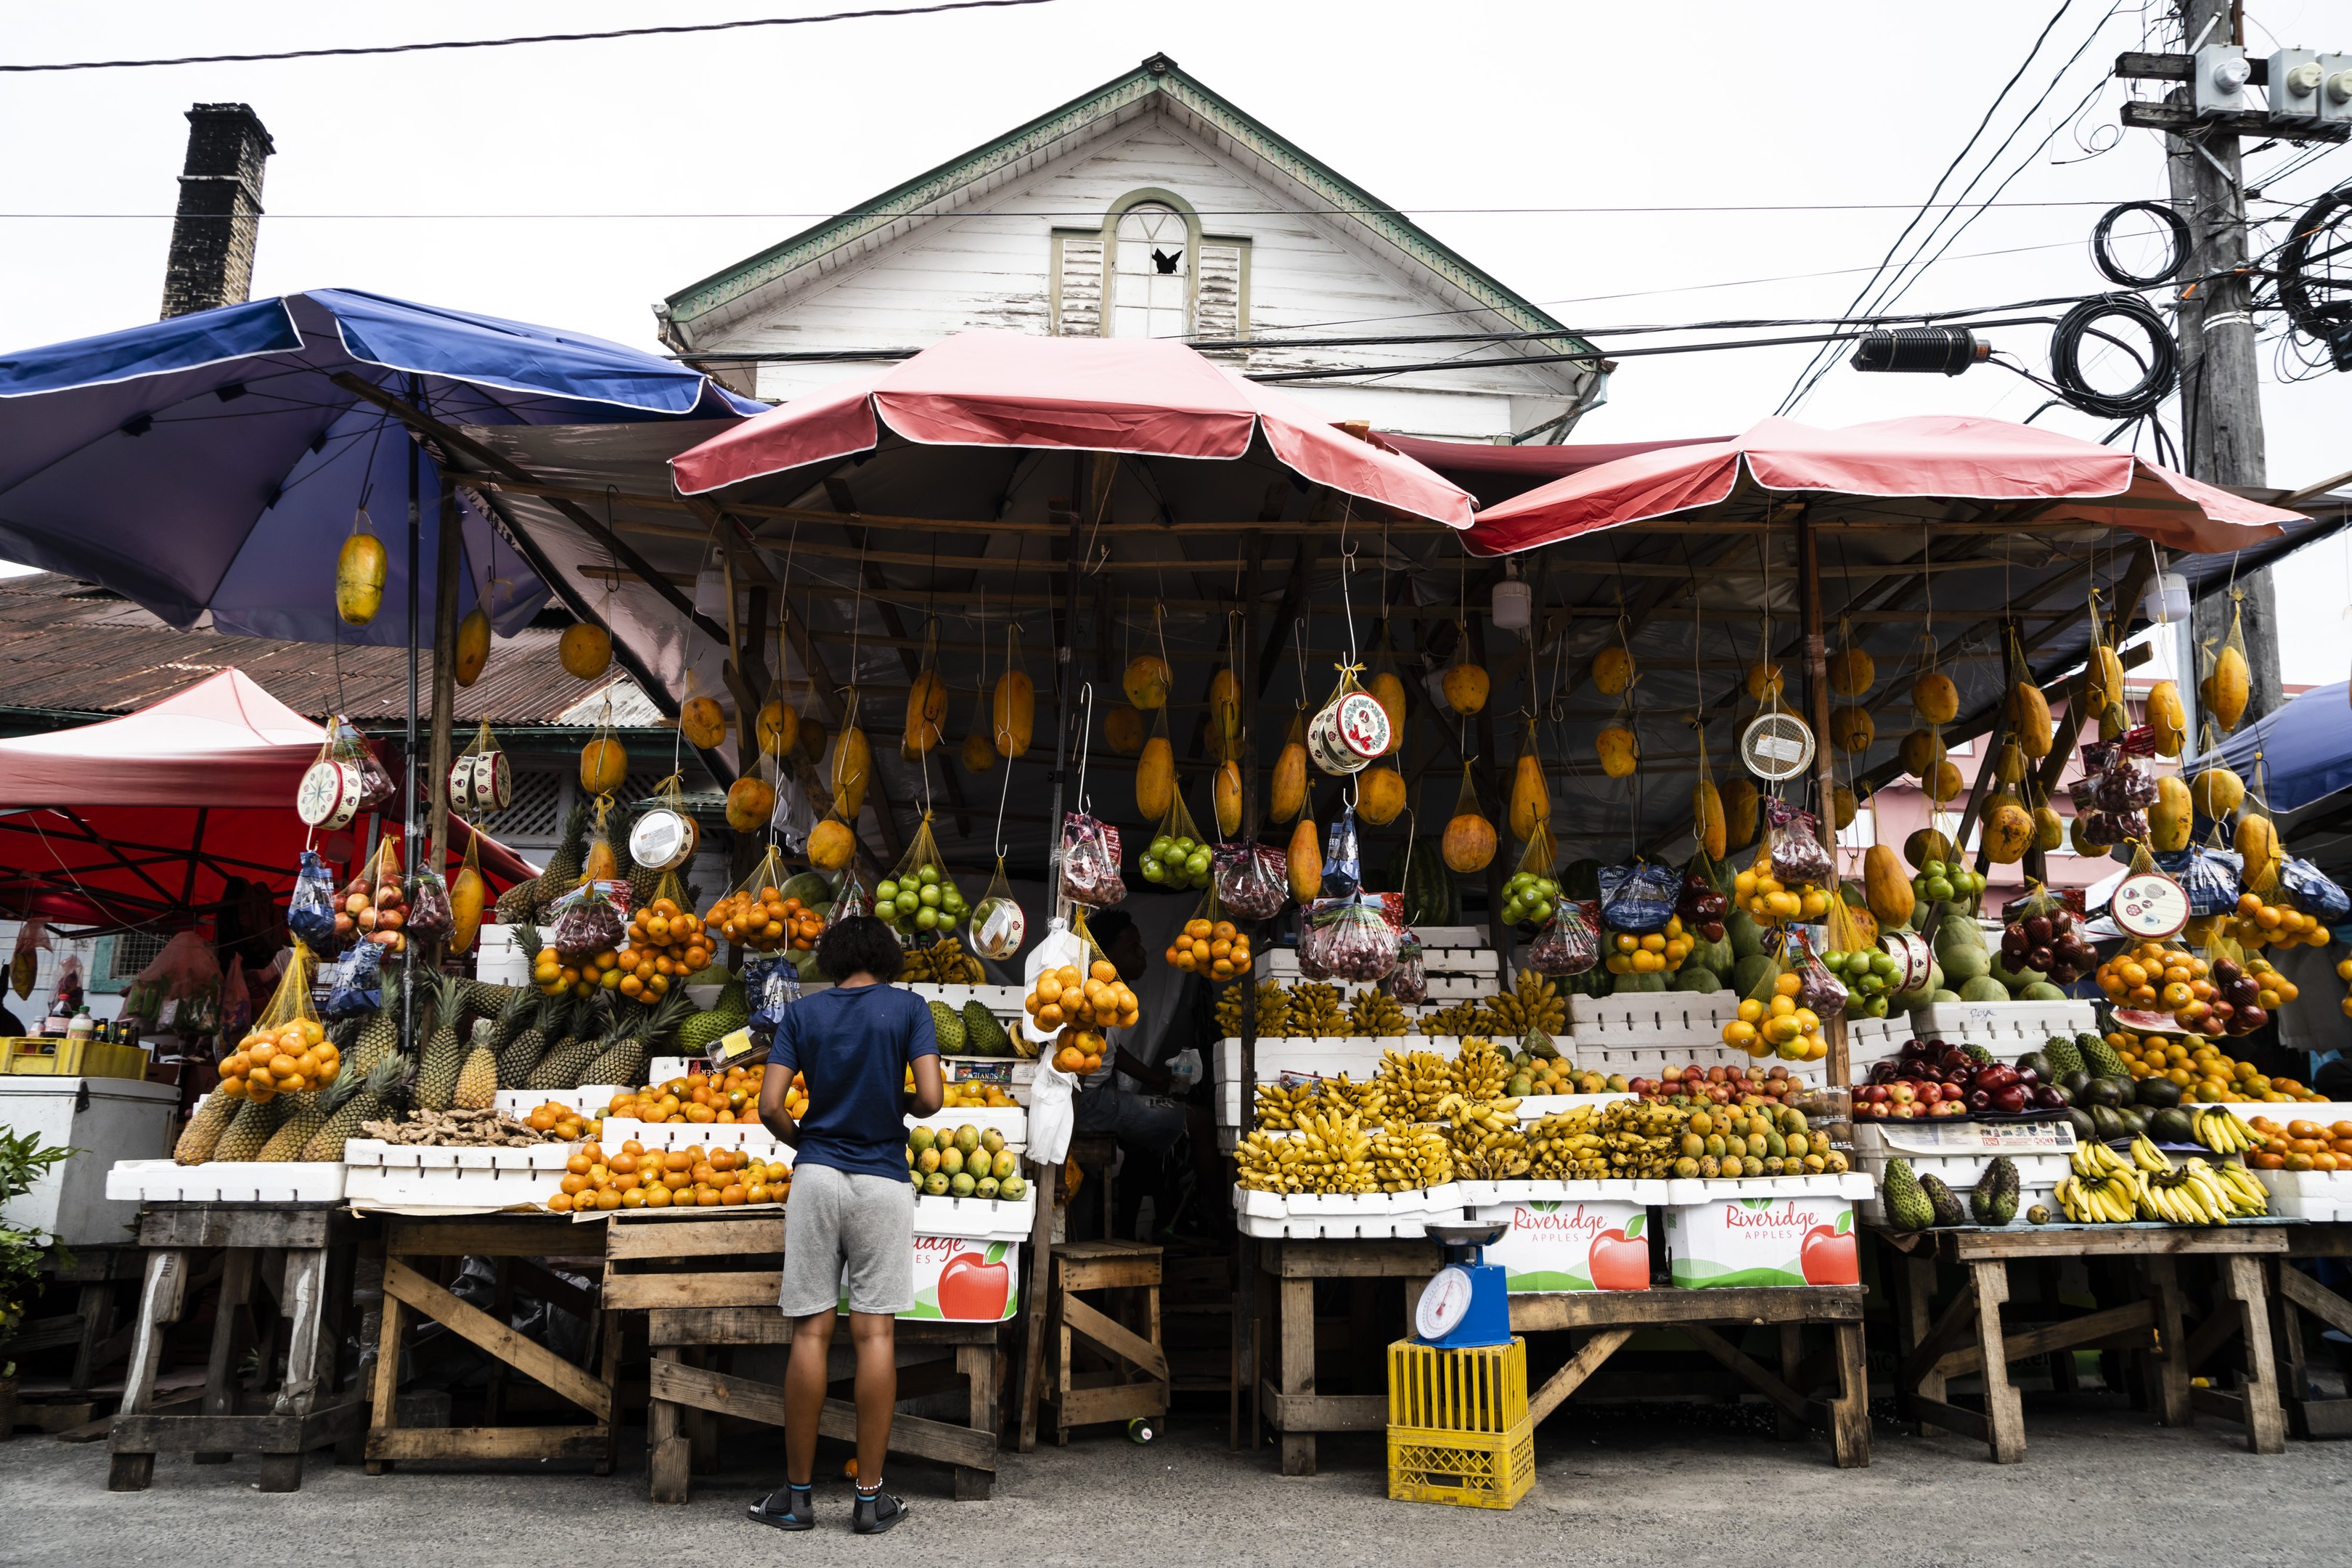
(225, 1182)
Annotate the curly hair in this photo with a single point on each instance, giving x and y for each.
(860, 942)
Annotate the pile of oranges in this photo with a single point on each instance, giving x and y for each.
(1080, 1051)
(1097, 999)
(556, 978)
(1211, 948)
(666, 943)
(2154, 976)
(1655, 953)
(294, 1057)
(970, 1095)
(733, 1096)
(1779, 1028)
(2207, 1074)
(2259, 924)
(568, 1125)
(637, 1178)
(2301, 1147)
(765, 922)
(1770, 903)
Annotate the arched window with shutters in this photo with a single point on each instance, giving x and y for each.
(1150, 272)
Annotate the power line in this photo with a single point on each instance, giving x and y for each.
(1698, 210)
(524, 39)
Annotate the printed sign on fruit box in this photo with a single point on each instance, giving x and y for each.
(965, 1281)
(1552, 1248)
(1763, 1241)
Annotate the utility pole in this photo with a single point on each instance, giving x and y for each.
(2220, 382)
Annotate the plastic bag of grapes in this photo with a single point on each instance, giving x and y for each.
(920, 898)
(1177, 858)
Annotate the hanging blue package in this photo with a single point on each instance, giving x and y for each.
(2315, 891)
(1639, 896)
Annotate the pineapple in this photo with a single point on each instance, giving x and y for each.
(202, 1133)
(478, 1080)
(254, 1121)
(486, 1000)
(624, 1063)
(563, 873)
(542, 1018)
(645, 882)
(379, 1035)
(562, 1067)
(445, 1052)
(300, 1125)
(368, 1100)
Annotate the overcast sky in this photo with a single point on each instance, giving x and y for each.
(434, 176)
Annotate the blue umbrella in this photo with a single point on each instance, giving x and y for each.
(213, 463)
(2303, 750)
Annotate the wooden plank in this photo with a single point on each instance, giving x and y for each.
(2317, 1299)
(1295, 1370)
(1951, 1417)
(532, 1359)
(2025, 1345)
(1108, 1273)
(1850, 1410)
(2219, 1402)
(1750, 1371)
(752, 1234)
(385, 1415)
(278, 1433)
(2265, 1417)
(1354, 1259)
(310, 1361)
(1307, 1414)
(729, 1396)
(766, 1326)
(668, 1464)
(2325, 1417)
(235, 1225)
(2004, 1407)
(2169, 1362)
(1580, 1366)
(1115, 1336)
(1957, 1321)
(160, 1300)
(1609, 1308)
(526, 1274)
(515, 1235)
(751, 1288)
(2114, 1241)
(1041, 1274)
(1915, 1299)
(1114, 1402)
(488, 1442)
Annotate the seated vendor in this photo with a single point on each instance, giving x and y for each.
(1140, 1114)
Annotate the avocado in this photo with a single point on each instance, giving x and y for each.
(2171, 1125)
(2079, 1121)
(2105, 1125)
(2101, 1092)
(2158, 1093)
(2039, 1065)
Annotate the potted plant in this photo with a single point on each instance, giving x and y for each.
(23, 1162)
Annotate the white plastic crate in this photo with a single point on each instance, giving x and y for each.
(2315, 1195)
(1682, 1192)
(2326, 1112)
(1651, 1018)
(2013, 1027)
(977, 1219)
(455, 1180)
(1651, 1062)
(589, 1098)
(751, 1135)
(225, 1182)
(1869, 1041)
(1643, 1191)
(1005, 1001)
(1956, 1154)
(500, 959)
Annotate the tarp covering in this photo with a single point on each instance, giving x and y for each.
(1945, 457)
(138, 820)
(2299, 754)
(1151, 398)
(212, 463)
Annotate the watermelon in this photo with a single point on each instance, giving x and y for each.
(1630, 985)
(1750, 972)
(1417, 870)
(1694, 977)
(1746, 936)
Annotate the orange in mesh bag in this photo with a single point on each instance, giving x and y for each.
(287, 1050)
(1210, 945)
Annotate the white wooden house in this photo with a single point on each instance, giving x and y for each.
(1150, 206)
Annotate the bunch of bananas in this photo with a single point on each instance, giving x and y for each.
(2222, 1132)
(1283, 1108)
(942, 964)
(1314, 1010)
(1489, 1144)
(1413, 1085)
(1642, 1137)
(1406, 1158)
(2105, 1188)
(1376, 1014)
(1463, 1018)
(1479, 1070)
(1533, 1002)
(1273, 1011)
(1329, 1153)
(1566, 1147)
(2195, 1193)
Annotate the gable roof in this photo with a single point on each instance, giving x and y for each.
(1158, 81)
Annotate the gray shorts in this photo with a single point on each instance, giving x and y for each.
(863, 1223)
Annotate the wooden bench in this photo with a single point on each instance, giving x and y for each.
(301, 1258)
(1289, 1268)
(1133, 1384)
(710, 1282)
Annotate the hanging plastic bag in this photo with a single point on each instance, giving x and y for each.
(752, 914)
(1343, 860)
(1638, 898)
(1209, 944)
(429, 915)
(1795, 837)
(1701, 906)
(186, 972)
(851, 899)
(1566, 944)
(236, 999)
(2314, 890)
(1090, 853)
(1348, 938)
(349, 746)
(589, 925)
(23, 966)
(374, 902)
(1178, 856)
(998, 926)
(1408, 983)
(357, 984)
(287, 1050)
(1253, 880)
(1532, 895)
(920, 898)
(769, 985)
(310, 908)
(2209, 876)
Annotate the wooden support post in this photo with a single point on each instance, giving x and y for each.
(1917, 1298)
(2265, 1421)
(1040, 1277)
(1296, 1369)
(668, 1464)
(1817, 690)
(220, 1366)
(449, 553)
(1850, 1410)
(2170, 1372)
(159, 1297)
(2004, 1410)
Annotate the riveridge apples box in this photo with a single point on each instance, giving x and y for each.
(1554, 1247)
(1750, 1235)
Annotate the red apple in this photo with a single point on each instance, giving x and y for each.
(1829, 1257)
(1619, 1261)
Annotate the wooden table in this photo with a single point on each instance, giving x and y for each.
(301, 1255)
(710, 1282)
(515, 1241)
(1608, 1317)
(1290, 1404)
(2294, 1294)
(1970, 1337)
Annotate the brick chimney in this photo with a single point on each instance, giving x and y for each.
(211, 264)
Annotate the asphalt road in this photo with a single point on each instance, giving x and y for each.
(1661, 1486)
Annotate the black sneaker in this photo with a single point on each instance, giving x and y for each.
(875, 1512)
(777, 1510)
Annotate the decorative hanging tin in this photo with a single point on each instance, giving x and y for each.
(1351, 729)
(663, 836)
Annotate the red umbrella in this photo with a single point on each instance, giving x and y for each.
(142, 820)
(1936, 458)
(1152, 399)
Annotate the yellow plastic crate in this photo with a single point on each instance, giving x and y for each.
(1483, 1389)
(54, 1056)
(1468, 1469)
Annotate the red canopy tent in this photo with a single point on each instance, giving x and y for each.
(143, 821)
(1944, 457)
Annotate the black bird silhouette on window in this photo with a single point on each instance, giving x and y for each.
(1167, 261)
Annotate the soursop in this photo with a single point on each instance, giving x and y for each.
(983, 1035)
(1907, 1207)
(947, 1024)
(1994, 1201)
(1943, 1201)
(2064, 1056)
(2100, 1060)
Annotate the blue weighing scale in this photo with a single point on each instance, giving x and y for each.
(1465, 1303)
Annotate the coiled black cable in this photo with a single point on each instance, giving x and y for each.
(2159, 366)
(2178, 246)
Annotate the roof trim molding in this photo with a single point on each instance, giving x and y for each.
(929, 193)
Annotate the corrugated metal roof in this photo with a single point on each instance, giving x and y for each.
(67, 646)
